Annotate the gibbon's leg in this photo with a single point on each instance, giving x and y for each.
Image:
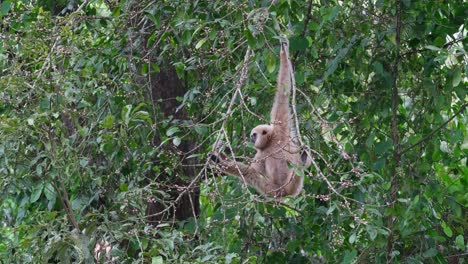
(244, 172)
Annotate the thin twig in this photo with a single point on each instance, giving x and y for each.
(462, 108)
(243, 76)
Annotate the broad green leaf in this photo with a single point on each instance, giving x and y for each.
(298, 43)
(432, 252)
(201, 129)
(108, 122)
(250, 39)
(382, 147)
(187, 37)
(157, 260)
(331, 209)
(349, 257)
(460, 242)
(123, 187)
(176, 141)
(49, 192)
(6, 6)
(447, 230)
(371, 231)
(144, 68)
(253, 100)
(77, 203)
(84, 162)
(36, 193)
(456, 78)
(171, 131)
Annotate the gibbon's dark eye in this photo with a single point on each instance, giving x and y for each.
(264, 132)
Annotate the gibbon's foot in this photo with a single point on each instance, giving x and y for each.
(214, 158)
(304, 156)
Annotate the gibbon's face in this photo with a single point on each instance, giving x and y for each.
(261, 136)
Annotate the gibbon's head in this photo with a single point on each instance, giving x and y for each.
(261, 136)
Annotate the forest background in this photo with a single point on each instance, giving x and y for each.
(108, 110)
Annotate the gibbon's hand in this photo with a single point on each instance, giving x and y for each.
(217, 158)
(285, 45)
(214, 157)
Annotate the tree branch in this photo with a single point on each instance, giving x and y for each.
(306, 22)
(445, 46)
(395, 135)
(434, 131)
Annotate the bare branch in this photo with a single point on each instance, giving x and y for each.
(462, 108)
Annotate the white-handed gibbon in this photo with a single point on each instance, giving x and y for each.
(273, 169)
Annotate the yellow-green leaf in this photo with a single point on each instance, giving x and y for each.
(200, 43)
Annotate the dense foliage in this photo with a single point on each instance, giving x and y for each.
(380, 97)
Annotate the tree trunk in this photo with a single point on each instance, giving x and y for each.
(165, 88)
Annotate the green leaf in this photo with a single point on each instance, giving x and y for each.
(331, 209)
(298, 43)
(371, 231)
(271, 62)
(447, 230)
(379, 164)
(382, 147)
(352, 238)
(200, 43)
(250, 38)
(187, 37)
(434, 48)
(108, 121)
(144, 69)
(157, 260)
(49, 192)
(6, 6)
(200, 129)
(123, 187)
(456, 78)
(430, 253)
(77, 203)
(36, 193)
(171, 131)
(314, 52)
(459, 242)
(176, 141)
(332, 13)
(84, 162)
(125, 115)
(349, 256)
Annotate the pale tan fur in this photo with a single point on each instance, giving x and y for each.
(272, 171)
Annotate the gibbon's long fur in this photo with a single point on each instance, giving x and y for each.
(273, 170)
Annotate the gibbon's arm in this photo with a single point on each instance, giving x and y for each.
(244, 172)
(280, 112)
